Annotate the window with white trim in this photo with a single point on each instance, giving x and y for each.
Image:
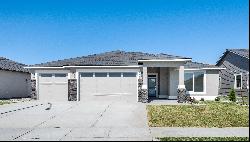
(194, 82)
(238, 81)
(189, 81)
(60, 75)
(87, 74)
(115, 74)
(129, 74)
(46, 75)
(101, 74)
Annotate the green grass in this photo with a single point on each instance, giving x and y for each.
(204, 139)
(2, 102)
(212, 114)
(239, 99)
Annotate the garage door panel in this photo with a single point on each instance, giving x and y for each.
(108, 86)
(88, 86)
(53, 87)
(118, 85)
(129, 85)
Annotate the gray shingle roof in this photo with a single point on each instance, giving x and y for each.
(192, 65)
(113, 58)
(241, 52)
(6, 64)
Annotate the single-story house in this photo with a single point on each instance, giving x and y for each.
(124, 73)
(236, 75)
(14, 80)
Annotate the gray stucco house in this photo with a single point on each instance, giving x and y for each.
(14, 80)
(236, 75)
(124, 73)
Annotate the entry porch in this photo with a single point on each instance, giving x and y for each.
(162, 78)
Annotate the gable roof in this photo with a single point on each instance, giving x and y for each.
(113, 58)
(241, 52)
(9, 65)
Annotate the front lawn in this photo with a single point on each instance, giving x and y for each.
(204, 139)
(211, 114)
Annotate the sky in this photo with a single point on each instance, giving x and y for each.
(37, 31)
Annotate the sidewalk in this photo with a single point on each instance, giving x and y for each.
(199, 132)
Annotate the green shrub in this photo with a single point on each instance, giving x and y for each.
(202, 99)
(232, 96)
(217, 99)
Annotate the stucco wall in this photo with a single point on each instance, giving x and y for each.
(173, 82)
(212, 82)
(212, 85)
(164, 83)
(14, 84)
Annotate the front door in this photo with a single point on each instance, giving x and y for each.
(152, 86)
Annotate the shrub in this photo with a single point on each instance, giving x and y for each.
(202, 99)
(217, 99)
(232, 96)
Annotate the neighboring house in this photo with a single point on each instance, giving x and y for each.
(236, 75)
(14, 80)
(124, 73)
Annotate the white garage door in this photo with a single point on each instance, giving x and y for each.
(104, 83)
(53, 87)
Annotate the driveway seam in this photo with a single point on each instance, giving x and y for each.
(100, 116)
(10, 112)
(33, 128)
(65, 135)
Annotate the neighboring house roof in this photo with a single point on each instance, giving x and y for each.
(9, 65)
(113, 58)
(241, 52)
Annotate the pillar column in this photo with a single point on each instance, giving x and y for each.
(145, 78)
(143, 91)
(181, 77)
(181, 90)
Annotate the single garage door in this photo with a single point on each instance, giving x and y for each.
(53, 87)
(108, 83)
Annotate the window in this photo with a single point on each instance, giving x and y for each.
(129, 74)
(60, 75)
(198, 81)
(238, 81)
(189, 81)
(194, 81)
(46, 75)
(100, 74)
(114, 74)
(87, 74)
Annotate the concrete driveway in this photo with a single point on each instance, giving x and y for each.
(97, 118)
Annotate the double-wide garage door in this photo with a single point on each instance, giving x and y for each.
(53, 87)
(107, 83)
